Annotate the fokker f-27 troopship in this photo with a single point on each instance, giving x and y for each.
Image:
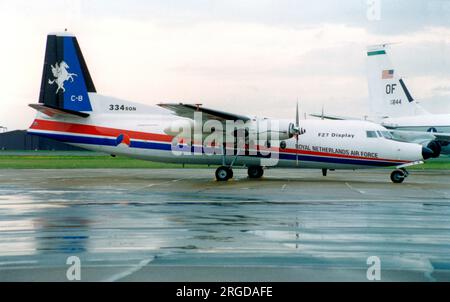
(70, 110)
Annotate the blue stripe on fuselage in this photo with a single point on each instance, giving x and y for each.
(69, 138)
(167, 147)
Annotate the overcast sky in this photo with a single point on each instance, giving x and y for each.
(245, 56)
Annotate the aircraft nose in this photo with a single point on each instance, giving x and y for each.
(427, 153)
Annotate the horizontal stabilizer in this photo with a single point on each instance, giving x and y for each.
(53, 111)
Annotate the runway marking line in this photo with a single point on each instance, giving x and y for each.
(130, 271)
(163, 182)
(354, 189)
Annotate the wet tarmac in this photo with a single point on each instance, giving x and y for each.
(182, 225)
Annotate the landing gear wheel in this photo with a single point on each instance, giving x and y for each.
(255, 172)
(224, 173)
(230, 171)
(398, 176)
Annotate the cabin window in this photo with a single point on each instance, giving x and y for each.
(371, 134)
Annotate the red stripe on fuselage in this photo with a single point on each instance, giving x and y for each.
(96, 130)
(39, 124)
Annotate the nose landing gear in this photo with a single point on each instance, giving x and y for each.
(399, 175)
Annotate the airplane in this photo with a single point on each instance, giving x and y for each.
(71, 111)
(391, 101)
(392, 106)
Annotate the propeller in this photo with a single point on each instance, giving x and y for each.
(295, 130)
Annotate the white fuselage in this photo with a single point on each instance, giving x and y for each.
(123, 128)
(421, 123)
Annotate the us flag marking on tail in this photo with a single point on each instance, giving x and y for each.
(387, 74)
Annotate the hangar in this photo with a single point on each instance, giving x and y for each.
(20, 140)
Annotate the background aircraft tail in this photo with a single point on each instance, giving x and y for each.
(388, 94)
(66, 81)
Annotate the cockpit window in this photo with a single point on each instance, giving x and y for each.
(371, 133)
(387, 134)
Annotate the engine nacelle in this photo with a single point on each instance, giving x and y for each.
(256, 130)
(266, 129)
(275, 130)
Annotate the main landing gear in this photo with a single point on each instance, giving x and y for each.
(255, 172)
(224, 173)
(399, 175)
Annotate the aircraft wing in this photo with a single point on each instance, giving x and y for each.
(419, 136)
(334, 117)
(188, 110)
(442, 136)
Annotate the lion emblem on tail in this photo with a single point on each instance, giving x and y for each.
(61, 75)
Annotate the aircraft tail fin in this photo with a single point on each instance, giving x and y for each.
(66, 81)
(388, 94)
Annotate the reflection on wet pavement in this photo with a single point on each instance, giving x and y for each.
(150, 224)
